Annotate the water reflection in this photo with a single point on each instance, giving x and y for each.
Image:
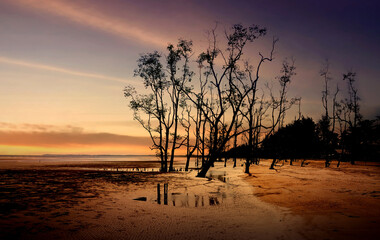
(166, 194)
(188, 199)
(220, 175)
(213, 193)
(130, 170)
(133, 170)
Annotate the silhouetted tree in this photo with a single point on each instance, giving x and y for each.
(152, 105)
(298, 140)
(348, 114)
(252, 113)
(280, 105)
(179, 84)
(328, 139)
(325, 126)
(187, 121)
(222, 107)
(229, 85)
(161, 106)
(369, 140)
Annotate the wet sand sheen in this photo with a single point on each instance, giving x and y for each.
(47, 202)
(81, 202)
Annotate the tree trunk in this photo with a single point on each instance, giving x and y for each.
(247, 163)
(247, 166)
(250, 141)
(203, 142)
(327, 162)
(273, 163)
(235, 140)
(187, 163)
(174, 144)
(206, 166)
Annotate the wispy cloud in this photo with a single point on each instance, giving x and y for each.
(92, 17)
(28, 127)
(58, 69)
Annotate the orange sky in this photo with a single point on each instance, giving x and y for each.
(64, 63)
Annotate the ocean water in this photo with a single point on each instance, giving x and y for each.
(82, 158)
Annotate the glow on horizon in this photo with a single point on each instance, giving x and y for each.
(64, 141)
(80, 149)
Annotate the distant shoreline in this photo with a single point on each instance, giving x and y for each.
(86, 155)
(78, 155)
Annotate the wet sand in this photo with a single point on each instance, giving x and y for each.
(77, 202)
(96, 201)
(335, 203)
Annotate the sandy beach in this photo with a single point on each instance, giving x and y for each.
(97, 201)
(341, 203)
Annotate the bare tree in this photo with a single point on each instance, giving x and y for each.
(325, 122)
(335, 101)
(280, 105)
(354, 116)
(325, 73)
(342, 113)
(186, 122)
(230, 90)
(152, 105)
(255, 110)
(183, 51)
(225, 96)
(161, 106)
(349, 118)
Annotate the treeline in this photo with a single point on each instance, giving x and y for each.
(304, 139)
(228, 106)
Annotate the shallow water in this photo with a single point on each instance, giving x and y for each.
(188, 198)
(80, 158)
(222, 187)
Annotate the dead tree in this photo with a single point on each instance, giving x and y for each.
(325, 122)
(186, 122)
(182, 51)
(226, 86)
(152, 105)
(280, 105)
(255, 110)
(349, 117)
(354, 116)
(160, 108)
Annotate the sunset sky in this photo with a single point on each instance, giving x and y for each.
(64, 63)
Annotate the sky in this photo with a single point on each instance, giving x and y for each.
(64, 63)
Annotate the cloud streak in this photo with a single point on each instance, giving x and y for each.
(28, 127)
(58, 69)
(93, 18)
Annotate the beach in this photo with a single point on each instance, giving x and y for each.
(115, 200)
(341, 203)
